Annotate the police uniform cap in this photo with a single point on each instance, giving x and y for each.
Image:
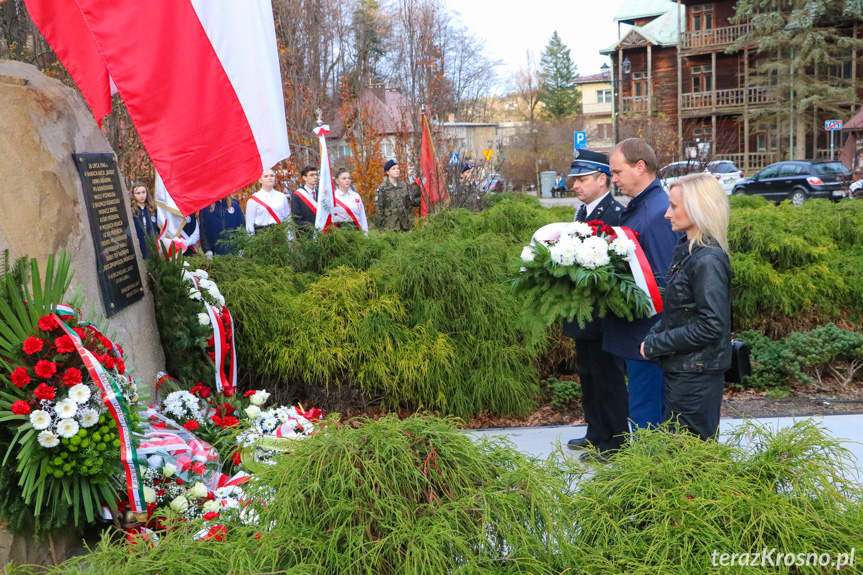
(587, 162)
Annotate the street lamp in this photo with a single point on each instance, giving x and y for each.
(605, 69)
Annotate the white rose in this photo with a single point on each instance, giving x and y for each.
(198, 490)
(149, 495)
(169, 469)
(527, 254)
(204, 319)
(259, 397)
(179, 504)
(210, 506)
(253, 411)
(201, 274)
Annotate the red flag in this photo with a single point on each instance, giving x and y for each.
(200, 80)
(432, 185)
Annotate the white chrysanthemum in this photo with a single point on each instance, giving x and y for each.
(268, 423)
(204, 318)
(194, 294)
(79, 393)
(220, 300)
(66, 408)
(527, 254)
(204, 284)
(253, 411)
(622, 246)
(40, 419)
(592, 253)
(169, 469)
(67, 428)
(89, 417)
(214, 292)
(201, 274)
(579, 229)
(259, 397)
(48, 439)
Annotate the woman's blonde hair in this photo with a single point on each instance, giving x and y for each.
(706, 204)
(151, 201)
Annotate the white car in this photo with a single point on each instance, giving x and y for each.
(726, 173)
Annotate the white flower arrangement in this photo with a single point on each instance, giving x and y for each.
(182, 404)
(48, 439)
(204, 318)
(66, 408)
(80, 393)
(259, 398)
(67, 428)
(40, 419)
(89, 417)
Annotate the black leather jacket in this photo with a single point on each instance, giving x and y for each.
(695, 332)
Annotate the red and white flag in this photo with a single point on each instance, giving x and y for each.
(433, 189)
(200, 79)
(324, 217)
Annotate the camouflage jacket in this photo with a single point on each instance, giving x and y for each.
(394, 206)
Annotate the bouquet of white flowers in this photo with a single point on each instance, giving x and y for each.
(573, 270)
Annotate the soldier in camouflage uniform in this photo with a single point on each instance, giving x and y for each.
(394, 202)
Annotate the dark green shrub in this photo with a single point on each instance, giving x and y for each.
(562, 393)
(773, 365)
(744, 202)
(668, 501)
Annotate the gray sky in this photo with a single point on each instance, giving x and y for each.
(511, 27)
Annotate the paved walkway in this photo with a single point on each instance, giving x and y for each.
(539, 441)
(573, 201)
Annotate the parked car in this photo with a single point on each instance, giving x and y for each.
(492, 183)
(726, 173)
(798, 181)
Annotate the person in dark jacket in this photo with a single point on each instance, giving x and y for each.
(601, 374)
(144, 214)
(633, 167)
(226, 214)
(304, 201)
(693, 340)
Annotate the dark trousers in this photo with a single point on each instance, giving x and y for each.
(645, 393)
(604, 396)
(693, 401)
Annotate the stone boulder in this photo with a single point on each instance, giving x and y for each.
(42, 123)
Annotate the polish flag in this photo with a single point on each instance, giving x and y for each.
(200, 79)
(324, 216)
(430, 181)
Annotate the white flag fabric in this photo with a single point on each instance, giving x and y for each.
(324, 216)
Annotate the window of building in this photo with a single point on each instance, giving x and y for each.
(701, 17)
(702, 78)
(767, 138)
(387, 149)
(701, 132)
(603, 96)
(604, 131)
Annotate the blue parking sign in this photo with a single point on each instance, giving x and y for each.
(580, 140)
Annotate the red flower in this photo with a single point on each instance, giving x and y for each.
(237, 457)
(107, 361)
(45, 368)
(217, 420)
(20, 377)
(228, 391)
(72, 377)
(249, 393)
(314, 414)
(64, 344)
(199, 468)
(120, 349)
(32, 345)
(217, 532)
(191, 425)
(212, 341)
(82, 333)
(210, 496)
(160, 425)
(20, 408)
(44, 391)
(201, 390)
(230, 421)
(225, 409)
(47, 323)
(160, 493)
(210, 515)
(121, 366)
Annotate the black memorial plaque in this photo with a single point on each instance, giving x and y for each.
(116, 263)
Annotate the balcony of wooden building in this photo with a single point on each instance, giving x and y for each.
(734, 101)
(638, 105)
(712, 40)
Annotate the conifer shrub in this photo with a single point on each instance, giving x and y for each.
(668, 501)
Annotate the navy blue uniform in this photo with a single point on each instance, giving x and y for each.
(145, 224)
(227, 215)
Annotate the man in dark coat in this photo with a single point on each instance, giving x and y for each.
(633, 167)
(304, 205)
(603, 381)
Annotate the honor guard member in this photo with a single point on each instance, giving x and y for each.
(633, 168)
(394, 203)
(602, 375)
(304, 204)
(267, 207)
(144, 215)
(348, 211)
(226, 214)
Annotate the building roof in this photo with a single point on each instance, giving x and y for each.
(855, 123)
(591, 79)
(633, 9)
(662, 31)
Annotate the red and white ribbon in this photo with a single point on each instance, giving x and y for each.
(223, 345)
(113, 400)
(641, 270)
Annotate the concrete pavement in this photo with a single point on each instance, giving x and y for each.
(539, 441)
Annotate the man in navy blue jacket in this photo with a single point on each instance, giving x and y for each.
(634, 167)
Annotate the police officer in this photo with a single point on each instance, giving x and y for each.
(602, 375)
(393, 202)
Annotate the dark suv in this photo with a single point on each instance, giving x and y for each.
(798, 181)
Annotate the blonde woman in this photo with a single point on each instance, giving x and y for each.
(693, 340)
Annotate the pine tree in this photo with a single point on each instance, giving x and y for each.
(809, 46)
(560, 95)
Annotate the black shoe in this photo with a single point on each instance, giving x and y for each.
(581, 443)
(595, 456)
